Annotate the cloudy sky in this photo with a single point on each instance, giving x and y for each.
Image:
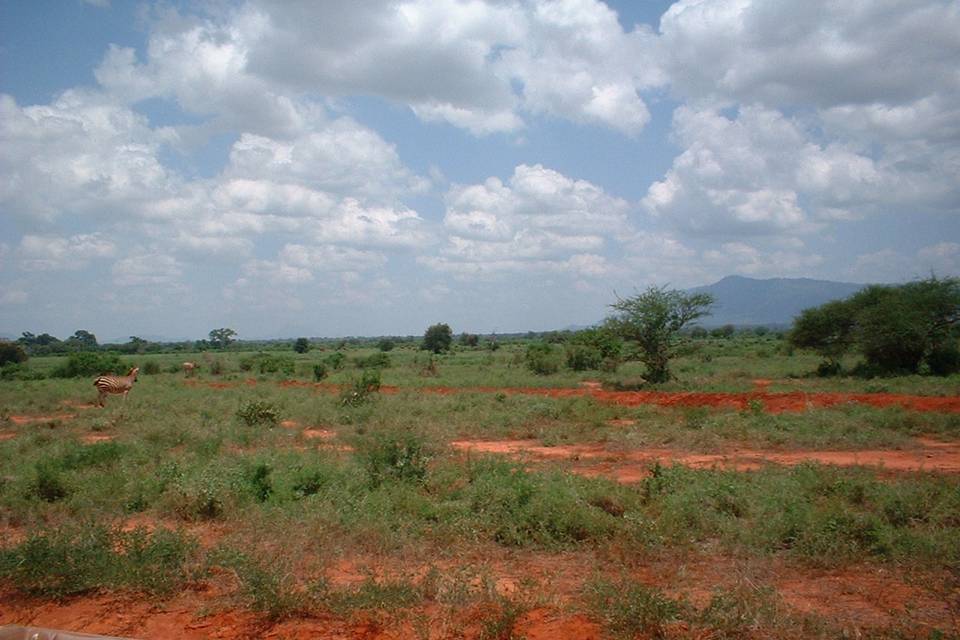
(334, 167)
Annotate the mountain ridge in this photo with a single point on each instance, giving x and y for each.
(745, 301)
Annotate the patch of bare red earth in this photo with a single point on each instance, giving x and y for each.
(855, 599)
(634, 465)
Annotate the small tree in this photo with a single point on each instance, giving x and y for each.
(83, 340)
(221, 338)
(302, 345)
(437, 338)
(11, 352)
(653, 319)
(828, 330)
(469, 339)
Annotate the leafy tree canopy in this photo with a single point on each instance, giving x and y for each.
(653, 319)
(437, 338)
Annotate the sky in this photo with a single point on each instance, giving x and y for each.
(336, 168)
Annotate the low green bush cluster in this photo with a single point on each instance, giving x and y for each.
(90, 363)
(68, 561)
(264, 363)
(259, 412)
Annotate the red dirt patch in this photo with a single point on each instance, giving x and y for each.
(289, 424)
(7, 436)
(632, 466)
(22, 420)
(92, 438)
(322, 434)
(770, 402)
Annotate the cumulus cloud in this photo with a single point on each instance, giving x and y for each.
(759, 173)
(81, 153)
(52, 253)
(874, 86)
(147, 269)
(539, 219)
(819, 53)
(481, 66)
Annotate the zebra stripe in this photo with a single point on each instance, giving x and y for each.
(115, 384)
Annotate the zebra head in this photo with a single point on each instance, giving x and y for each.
(133, 373)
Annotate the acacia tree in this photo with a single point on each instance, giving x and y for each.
(220, 338)
(653, 319)
(828, 329)
(302, 345)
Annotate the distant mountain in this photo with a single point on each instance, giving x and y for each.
(773, 301)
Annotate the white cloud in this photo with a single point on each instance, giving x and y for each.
(143, 269)
(478, 65)
(52, 253)
(13, 296)
(819, 52)
(759, 174)
(540, 219)
(81, 153)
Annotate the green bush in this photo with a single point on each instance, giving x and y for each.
(358, 391)
(151, 368)
(319, 371)
(379, 360)
(259, 412)
(398, 455)
(264, 363)
(69, 561)
(582, 358)
(541, 359)
(335, 360)
(10, 352)
(629, 608)
(90, 363)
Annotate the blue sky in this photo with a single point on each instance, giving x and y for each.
(340, 168)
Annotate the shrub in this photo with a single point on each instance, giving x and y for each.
(386, 345)
(944, 360)
(335, 360)
(319, 371)
(302, 345)
(259, 412)
(89, 363)
(630, 608)
(264, 363)
(48, 484)
(581, 357)
(11, 352)
(541, 359)
(151, 368)
(379, 360)
(358, 391)
(394, 455)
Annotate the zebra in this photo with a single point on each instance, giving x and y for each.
(115, 384)
(190, 368)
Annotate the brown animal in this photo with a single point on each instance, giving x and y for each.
(115, 384)
(190, 368)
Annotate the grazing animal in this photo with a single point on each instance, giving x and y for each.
(115, 384)
(190, 368)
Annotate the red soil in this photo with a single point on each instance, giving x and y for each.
(856, 599)
(22, 420)
(770, 402)
(632, 466)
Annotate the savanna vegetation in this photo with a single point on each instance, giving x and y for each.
(337, 485)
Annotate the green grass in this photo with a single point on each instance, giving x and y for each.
(188, 455)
